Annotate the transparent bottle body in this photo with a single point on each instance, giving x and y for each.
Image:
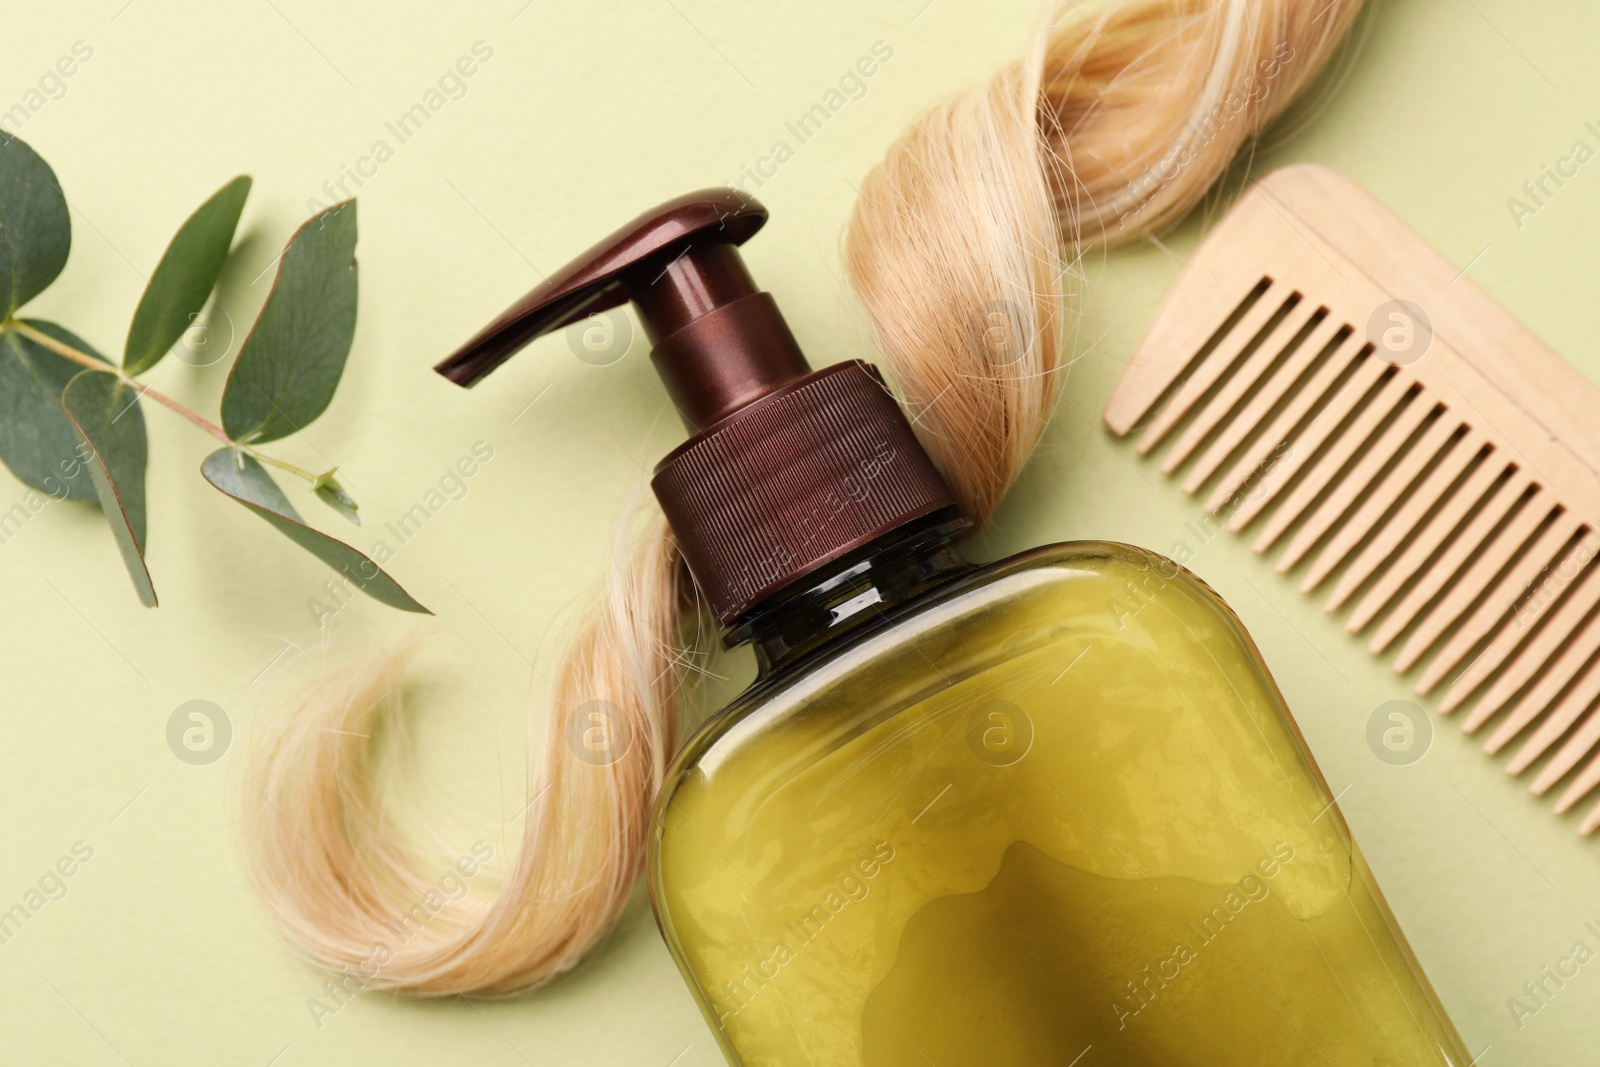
(1054, 812)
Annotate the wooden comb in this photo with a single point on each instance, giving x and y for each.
(1434, 462)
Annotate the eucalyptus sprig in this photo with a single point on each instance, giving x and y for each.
(71, 422)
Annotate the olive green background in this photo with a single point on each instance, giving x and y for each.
(584, 115)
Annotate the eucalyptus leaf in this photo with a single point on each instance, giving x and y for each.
(107, 416)
(35, 228)
(290, 364)
(37, 440)
(239, 476)
(184, 278)
(331, 493)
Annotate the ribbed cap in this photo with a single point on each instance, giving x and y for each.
(788, 470)
(792, 482)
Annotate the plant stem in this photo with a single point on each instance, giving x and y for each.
(83, 359)
(290, 468)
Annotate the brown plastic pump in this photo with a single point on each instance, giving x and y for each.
(789, 469)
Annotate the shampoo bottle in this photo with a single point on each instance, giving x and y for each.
(1051, 810)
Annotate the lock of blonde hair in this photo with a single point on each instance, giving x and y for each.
(961, 248)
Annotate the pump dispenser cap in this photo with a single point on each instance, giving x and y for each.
(787, 469)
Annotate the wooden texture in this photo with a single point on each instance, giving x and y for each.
(1448, 488)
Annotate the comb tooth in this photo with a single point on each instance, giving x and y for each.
(1250, 329)
(1480, 485)
(1278, 432)
(1549, 548)
(1264, 356)
(1584, 783)
(1168, 348)
(1433, 578)
(1304, 448)
(1562, 714)
(1554, 677)
(1529, 660)
(1580, 786)
(1272, 391)
(1492, 557)
(1352, 485)
(1571, 663)
(1590, 821)
(1384, 496)
(1392, 393)
(1406, 521)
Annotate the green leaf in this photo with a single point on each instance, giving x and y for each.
(37, 440)
(106, 414)
(241, 477)
(331, 493)
(184, 278)
(291, 362)
(35, 229)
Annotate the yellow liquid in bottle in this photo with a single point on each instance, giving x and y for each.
(1054, 815)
